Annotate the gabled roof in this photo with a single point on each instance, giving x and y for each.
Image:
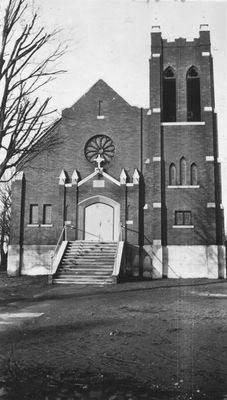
(101, 89)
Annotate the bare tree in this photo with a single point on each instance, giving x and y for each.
(27, 60)
(5, 217)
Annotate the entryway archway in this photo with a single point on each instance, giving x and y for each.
(99, 222)
(99, 219)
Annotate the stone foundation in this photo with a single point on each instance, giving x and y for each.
(152, 262)
(157, 261)
(33, 260)
(184, 262)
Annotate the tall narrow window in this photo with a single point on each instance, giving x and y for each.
(34, 214)
(169, 95)
(100, 108)
(47, 214)
(193, 95)
(194, 175)
(172, 175)
(183, 172)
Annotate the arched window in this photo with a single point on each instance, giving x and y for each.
(194, 175)
(169, 95)
(193, 95)
(183, 176)
(172, 175)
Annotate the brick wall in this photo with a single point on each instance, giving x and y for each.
(121, 123)
(172, 141)
(161, 145)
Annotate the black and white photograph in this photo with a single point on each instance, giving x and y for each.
(113, 198)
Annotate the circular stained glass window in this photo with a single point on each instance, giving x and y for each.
(99, 145)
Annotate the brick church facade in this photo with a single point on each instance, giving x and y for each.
(147, 178)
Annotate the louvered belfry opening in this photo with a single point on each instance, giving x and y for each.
(169, 95)
(193, 95)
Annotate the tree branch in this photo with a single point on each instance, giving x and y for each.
(24, 70)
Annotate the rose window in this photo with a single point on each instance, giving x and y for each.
(99, 145)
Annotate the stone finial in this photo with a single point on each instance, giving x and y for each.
(136, 177)
(75, 177)
(62, 178)
(204, 27)
(19, 176)
(155, 28)
(123, 177)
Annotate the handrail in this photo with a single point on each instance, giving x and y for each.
(133, 230)
(83, 230)
(151, 243)
(59, 242)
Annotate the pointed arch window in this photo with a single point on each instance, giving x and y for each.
(172, 175)
(183, 172)
(169, 95)
(193, 95)
(194, 175)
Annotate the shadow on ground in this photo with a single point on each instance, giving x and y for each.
(45, 385)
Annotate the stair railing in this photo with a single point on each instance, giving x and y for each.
(57, 247)
(151, 243)
(133, 230)
(81, 230)
(120, 234)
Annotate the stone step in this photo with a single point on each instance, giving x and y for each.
(93, 268)
(83, 273)
(111, 251)
(89, 255)
(84, 278)
(74, 268)
(82, 282)
(87, 263)
(92, 244)
(88, 251)
(91, 250)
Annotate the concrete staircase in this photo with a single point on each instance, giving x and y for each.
(86, 262)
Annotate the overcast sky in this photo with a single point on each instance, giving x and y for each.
(110, 39)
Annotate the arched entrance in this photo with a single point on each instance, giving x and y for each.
(99, 222)
(99, 219)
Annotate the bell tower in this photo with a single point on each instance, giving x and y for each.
(184, 189)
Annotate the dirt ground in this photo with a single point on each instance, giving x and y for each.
(163, 339)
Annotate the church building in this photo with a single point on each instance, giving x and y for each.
(128, 191)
